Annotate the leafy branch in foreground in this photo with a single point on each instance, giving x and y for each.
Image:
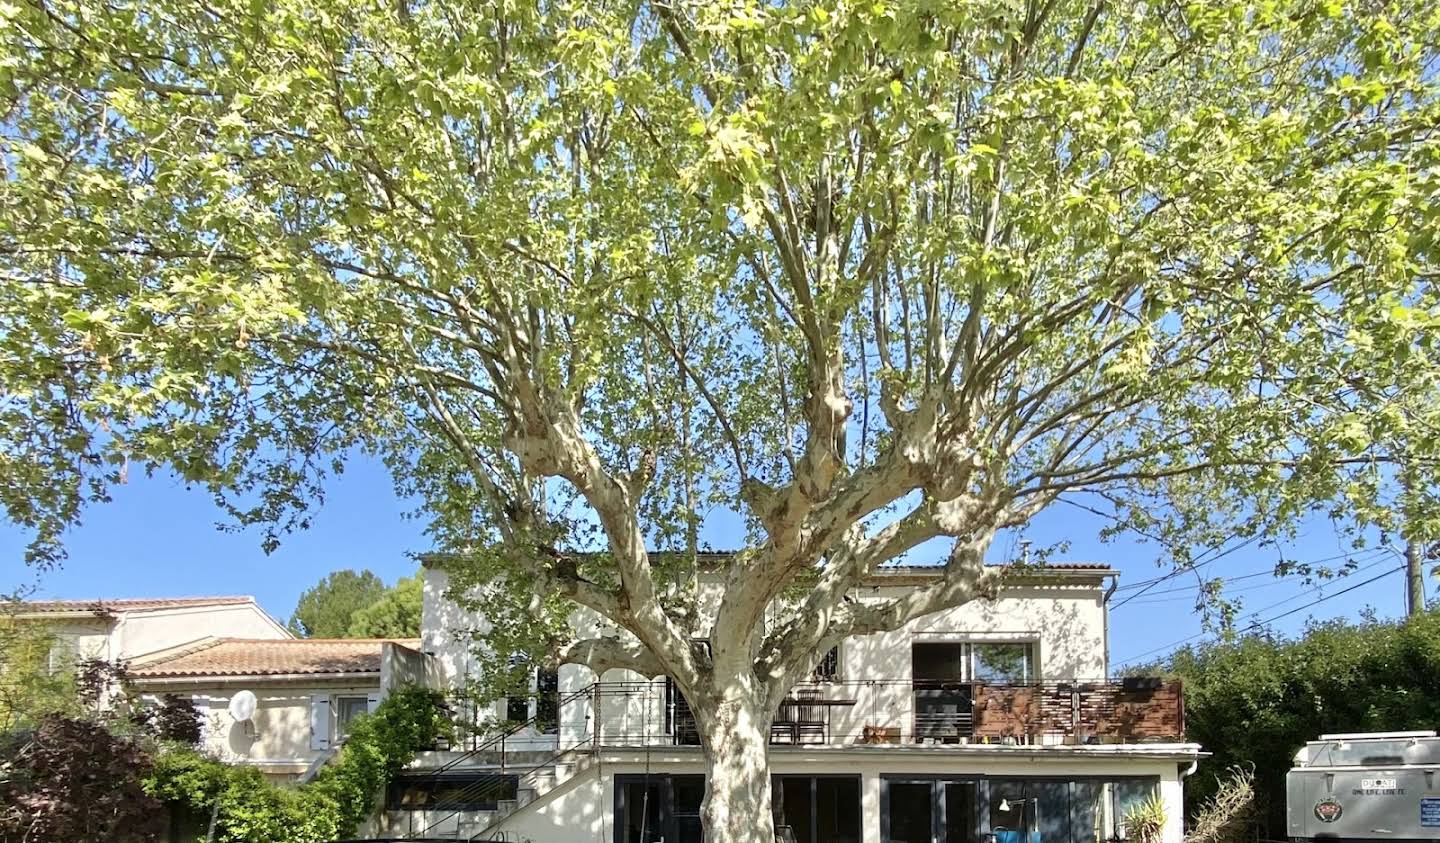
(877, 278)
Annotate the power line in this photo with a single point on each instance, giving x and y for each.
(1173, 645)
(1151, 583)
(1220, 553)
(1323, 599)
(1279, 580)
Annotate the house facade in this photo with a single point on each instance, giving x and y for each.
(124, 629)
(306, 693)
(995, 722)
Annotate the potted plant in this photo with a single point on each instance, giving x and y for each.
(1145, 821)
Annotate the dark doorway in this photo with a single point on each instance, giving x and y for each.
(928, 811)
(911, 813)
(816, 809)
(658, 809)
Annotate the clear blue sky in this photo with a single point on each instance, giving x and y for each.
(159, 539)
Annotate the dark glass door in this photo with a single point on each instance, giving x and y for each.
(658, 809)
(644, 814)
(911, 813)
(960, 820)
(929, 811)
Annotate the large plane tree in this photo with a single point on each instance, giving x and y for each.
(874, 276)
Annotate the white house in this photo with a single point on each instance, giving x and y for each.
(995, 722)
(306, 693)
(124, 629)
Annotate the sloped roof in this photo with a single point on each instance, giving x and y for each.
(221, 657)
(1034, 568)
(719, 556)
(102, 606)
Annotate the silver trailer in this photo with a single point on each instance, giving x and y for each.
(1376, 786)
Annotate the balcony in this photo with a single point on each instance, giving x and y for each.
(898, 712)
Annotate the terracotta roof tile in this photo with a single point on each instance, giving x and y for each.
(256, 657)
(140, 604)
(1036, 568)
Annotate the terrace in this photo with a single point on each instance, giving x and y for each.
(900, 712)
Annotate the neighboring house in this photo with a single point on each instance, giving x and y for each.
(308, 692)
(121, 630)
(993, 722)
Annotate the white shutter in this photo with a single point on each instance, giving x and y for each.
(201, 702)
(320, 721)
(372, 702)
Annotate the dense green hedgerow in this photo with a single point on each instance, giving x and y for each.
(248, 808)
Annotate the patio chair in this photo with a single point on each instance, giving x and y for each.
(810, 717)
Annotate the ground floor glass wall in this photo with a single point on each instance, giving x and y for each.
(1018, 810)
(807, 809)
(913, 808)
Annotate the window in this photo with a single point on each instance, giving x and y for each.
(346, 710)
(547, 702)
(546, 699)
(1100, 808)
(922, 809)
(1029, 811)
(64, 656)
(816, 809)
(1001, 663)
(451, 792)
(995, 662)
(828, 668)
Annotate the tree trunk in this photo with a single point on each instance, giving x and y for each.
(735, 736)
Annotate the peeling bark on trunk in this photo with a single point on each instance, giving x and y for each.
(736, 739)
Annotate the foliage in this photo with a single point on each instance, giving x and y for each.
(174, 720)
(30, 687)
(1145, 821)
(396, 614)
(871, 278)
(1256, 700)
(328, 609)
(1228, 816)
(71, 779)
(332, 805)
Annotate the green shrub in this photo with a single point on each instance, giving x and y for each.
(248, 808)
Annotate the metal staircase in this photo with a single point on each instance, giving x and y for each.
(496, 754)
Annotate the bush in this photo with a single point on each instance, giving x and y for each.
(250, 809)
(1229, 815)
(1254, 701)
(70, 779)
(174, 720)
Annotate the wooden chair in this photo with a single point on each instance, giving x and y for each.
(811, 717)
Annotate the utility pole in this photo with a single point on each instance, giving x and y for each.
(1414, 582)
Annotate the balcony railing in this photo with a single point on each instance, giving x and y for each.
(877, 711)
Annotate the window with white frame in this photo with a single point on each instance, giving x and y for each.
(346, 710)
(997, 662)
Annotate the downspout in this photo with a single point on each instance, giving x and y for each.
(1105, 619)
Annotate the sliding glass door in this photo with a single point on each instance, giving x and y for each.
(928, 810)
(937, 809)
(816, 809)
(658, 809)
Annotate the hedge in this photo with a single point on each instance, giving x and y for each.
(248, 808)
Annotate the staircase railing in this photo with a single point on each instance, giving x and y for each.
(497, 744)
(513, 728)
(523, 776)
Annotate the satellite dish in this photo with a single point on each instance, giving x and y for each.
(242, 706)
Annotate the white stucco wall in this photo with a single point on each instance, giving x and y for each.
(581, 810)
(138, 633)
(278, 736)
(1066, 621)
(81, 639)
